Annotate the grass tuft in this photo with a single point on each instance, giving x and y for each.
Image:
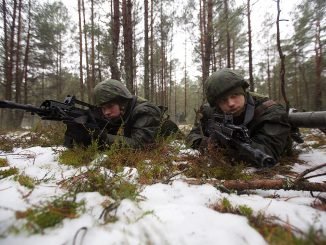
(50, 214)
(25, 181)
(8, 172)
(97, 180)
(3, 162)
(273, 232)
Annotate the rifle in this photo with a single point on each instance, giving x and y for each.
(67, 112)
(311, 119)
(237, 138)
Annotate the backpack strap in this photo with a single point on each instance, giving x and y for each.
(262, 107)
(127, 121)
(250, 110)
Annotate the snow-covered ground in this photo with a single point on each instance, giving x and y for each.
(175, 213)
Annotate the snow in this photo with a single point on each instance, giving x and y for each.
(175, 213)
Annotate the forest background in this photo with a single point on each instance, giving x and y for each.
(162, 50)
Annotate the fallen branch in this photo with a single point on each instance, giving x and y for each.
(307, 171)
(269, 184)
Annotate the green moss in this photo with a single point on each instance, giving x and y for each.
(26, 181)
(8, 172)
(79, 156)
(124, 189)
(95, 180)
(3, 162)
(245, 210)
(50, 214)
(273, 233)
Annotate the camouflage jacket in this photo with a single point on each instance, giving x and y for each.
(138, 127)
(269, 129)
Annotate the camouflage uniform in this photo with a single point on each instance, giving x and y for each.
(137, 127)
(141, 121)
(267, 125)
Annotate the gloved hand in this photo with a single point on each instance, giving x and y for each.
(77, 134)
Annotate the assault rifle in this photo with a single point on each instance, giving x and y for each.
(237, 138)
(70, 111)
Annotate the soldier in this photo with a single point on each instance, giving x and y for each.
(132, 121)
(266, 120)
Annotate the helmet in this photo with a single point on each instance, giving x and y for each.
(109, 90)
(221, 82)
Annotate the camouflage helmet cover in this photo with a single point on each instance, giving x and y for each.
(109, 90)
(221, 82)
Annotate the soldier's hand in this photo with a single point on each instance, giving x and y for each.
(77, 134)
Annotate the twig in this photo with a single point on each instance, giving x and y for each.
(28, 194)
(6, 188)
(307, 171)
(168, 179)
(313, 176)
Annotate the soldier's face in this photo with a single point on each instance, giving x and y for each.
(232, 104)
(111, 110)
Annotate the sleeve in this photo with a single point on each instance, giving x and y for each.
(143, 128)
(270, 134)
(198, 132)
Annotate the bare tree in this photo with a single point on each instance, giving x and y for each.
(206, 34)
(146, 52)
(251, 78)
(88, 82)
(81, 78)
(92, 82)
(128, 43)
(115, 31)
(282, 58)
(318, 61)
(9, 78)
(26, 56)
(228, 39)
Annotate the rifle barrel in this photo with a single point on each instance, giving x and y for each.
(12, 105)
(312, 119)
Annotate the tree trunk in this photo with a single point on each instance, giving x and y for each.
(251, 78)
(185, 109)
(113, 62)
(81, 78)
(92, 84)
(146, 52)
(26, 56)
(18, 52)
(88, 82)
(5, 49)
(318, 69)
(128, 46)
(228, 46)
(9, 79)
(152, 82)
(282, 57)
(208, 41)
(206, 34)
